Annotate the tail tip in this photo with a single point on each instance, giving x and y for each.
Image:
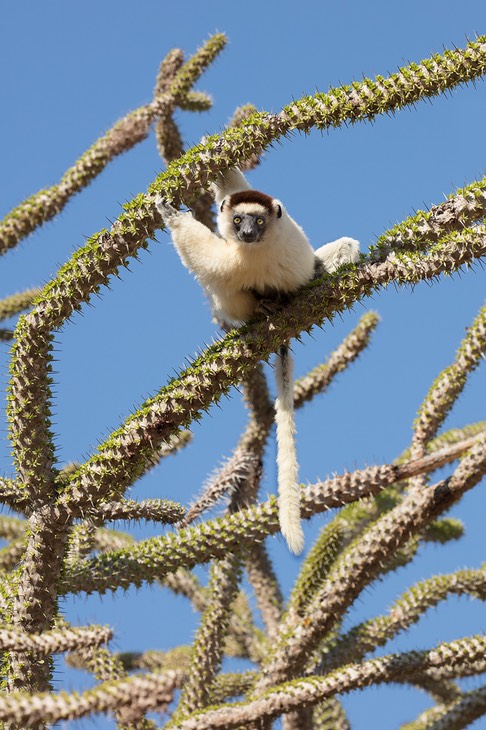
(295, 539)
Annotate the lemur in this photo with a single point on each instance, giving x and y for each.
(260, 252)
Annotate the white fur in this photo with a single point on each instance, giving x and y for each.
(283, 260)
(227, 268)
(342, 251)
(288, 469)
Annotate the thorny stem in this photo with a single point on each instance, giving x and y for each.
(154, 691)
(453, 715)
(121, 457)
(364, 638)
(447, 387)
(55, 641)
(450, 659)
(155, 556)
(16, 303)
(363, 561)
(397, 257)
(125, 134)
(208, 646)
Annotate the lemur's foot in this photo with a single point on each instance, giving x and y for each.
(267, 307)
(270, 304)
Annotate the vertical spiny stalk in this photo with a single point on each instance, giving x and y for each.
(29, 413)
(260, 409)
(318, 562)
(33, 594)
(447, 387)
(208, 646)
(169, 141)
(173, 79)
(168, 68)
(266, 587)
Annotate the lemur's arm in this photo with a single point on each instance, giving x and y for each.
(201, 251)
(227, 183)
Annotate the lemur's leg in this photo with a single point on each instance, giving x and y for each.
(333, 255)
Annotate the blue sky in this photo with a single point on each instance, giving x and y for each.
(68, 72)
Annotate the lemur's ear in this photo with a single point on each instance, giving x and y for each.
(222, 205)
(279, 211)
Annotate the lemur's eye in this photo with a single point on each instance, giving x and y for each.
(237, 220)
(260, 221)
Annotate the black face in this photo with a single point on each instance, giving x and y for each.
(249, 228)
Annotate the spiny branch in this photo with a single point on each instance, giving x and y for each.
(407, 610)
(214, 538)
(363, 561)
(120, 458)
(452, 660)
(125, 134)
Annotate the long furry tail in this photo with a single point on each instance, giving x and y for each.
(288, 485)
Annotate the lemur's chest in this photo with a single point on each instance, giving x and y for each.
(265, 269)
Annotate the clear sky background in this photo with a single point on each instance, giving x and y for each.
(68, 71)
